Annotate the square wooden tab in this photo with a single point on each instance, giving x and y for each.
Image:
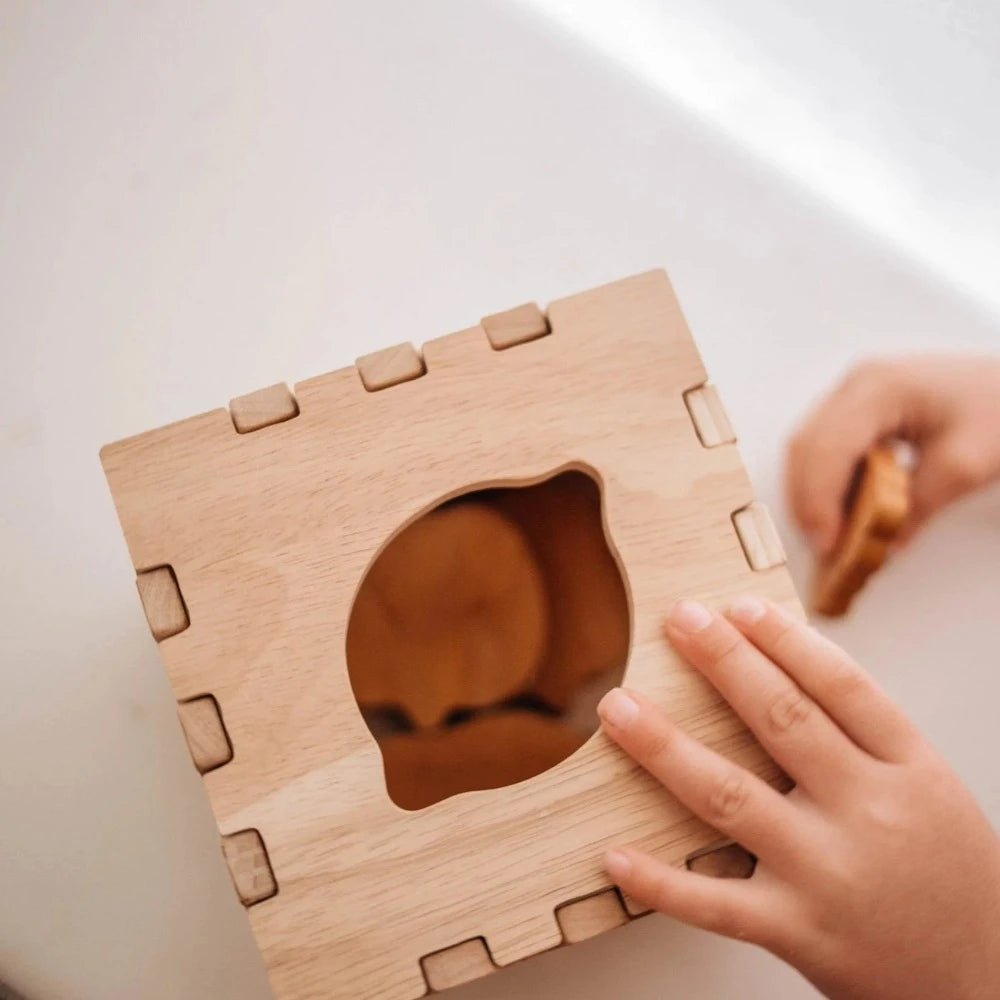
(249, 867)
(162, 602)
(386, 368)
(709, 416)
(205, 733)
(272, 405)
(759, 537)
(457, 965)
(515, 326)
(586, 918)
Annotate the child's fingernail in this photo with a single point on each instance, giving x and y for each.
(747, 610)
(689, 616)
(618, 709)
(617, 865)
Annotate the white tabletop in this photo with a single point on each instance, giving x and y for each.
(199, 200)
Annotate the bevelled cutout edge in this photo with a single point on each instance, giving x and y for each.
(272, 405)
(711, 422)
(634, 908)
(759, 537)
(585, 918)
(515, 326)
(728, 861)
(249, 866)
(390, 366)
(461, 963)
(205, 732)
(162, 602)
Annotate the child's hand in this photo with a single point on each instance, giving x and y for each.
(946, 406)
(878, 876)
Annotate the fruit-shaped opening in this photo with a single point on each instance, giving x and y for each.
(483, 636)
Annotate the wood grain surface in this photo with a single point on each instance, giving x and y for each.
(269, 534)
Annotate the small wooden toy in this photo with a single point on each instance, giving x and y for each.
(588, 627)
(252, 531)
(451, 615)
(488, 751)
(876, 506)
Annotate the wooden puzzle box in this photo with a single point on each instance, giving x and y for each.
(377, 596)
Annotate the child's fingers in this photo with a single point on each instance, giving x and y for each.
(795, 731)
(732, 907)
(824, 452)
(846, 692)
(724, 795)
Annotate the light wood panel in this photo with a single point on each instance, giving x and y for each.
(270, 534)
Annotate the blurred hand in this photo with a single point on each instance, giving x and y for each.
(948, 407)
(878, 876)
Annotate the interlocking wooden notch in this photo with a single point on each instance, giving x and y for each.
(249, 867)
(877, 506)
(201, 720)
(273, 405)
(728, 861)
(389, 367)
(272, 533)
(457, 965)
(162, 602)
(759, 537)
(515, 326)
(709, 416)
(586, 918)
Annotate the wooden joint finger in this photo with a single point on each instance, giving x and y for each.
(273, 405)
(205, 732)
(390, 366)
(162, 602)
(461, 963)
(515, 326)
(249, 866)
(711, 422)
(759, 537)
(586, 918)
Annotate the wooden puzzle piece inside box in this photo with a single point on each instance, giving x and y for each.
(387, 602)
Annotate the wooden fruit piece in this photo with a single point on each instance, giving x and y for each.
(877, 505)
(489, 751)
(589, 624)
(452, 614)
